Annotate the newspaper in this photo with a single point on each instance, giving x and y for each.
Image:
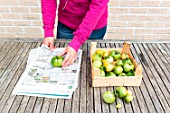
(42, 80)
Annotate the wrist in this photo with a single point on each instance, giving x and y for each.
(75, 44)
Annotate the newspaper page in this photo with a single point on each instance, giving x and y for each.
(43, 80)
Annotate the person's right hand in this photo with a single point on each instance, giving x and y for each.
(49, 41)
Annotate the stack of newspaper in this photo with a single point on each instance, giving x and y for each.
(42, 80)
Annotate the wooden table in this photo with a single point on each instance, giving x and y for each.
(153, 96)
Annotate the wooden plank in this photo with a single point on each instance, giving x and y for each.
(3, 46)
(45, 105)
(163, 64)
(75, 102)
(168, 45)
(83, 80)
(23, 104)
(134, 103)
(5, 55)
(12, 79)
(89, 90)
(139, 99)
(26, 99)
(52, 106)
(38, 105)
(6, 79)
(163, 84)
(8, 64)
(16, 104)
(30, 104)
(164, 51)
(150, 82)
(8, 85)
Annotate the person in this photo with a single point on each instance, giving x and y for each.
(78, 20)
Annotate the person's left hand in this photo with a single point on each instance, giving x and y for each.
(70, 56)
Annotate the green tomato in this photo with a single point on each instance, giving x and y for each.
(56, 61)
(109, 67)
(130, 73)
(121, 92)
(109, 59)
(119, 62)
(108, 97)
(128, 98)
(127, 60)
(127, 67)
(96, 57)
(97, 63)
(110, 74)
(112, 53)
(117, 55)
(118, 69)
(102, 73)
(122, 75)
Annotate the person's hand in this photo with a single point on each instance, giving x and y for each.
(70, 56)
(49, 41)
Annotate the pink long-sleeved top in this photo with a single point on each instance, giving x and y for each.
(83, 16)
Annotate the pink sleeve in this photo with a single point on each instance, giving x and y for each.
(48, 13)
(97, 8)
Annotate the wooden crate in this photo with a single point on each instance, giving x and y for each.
(98, 81)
